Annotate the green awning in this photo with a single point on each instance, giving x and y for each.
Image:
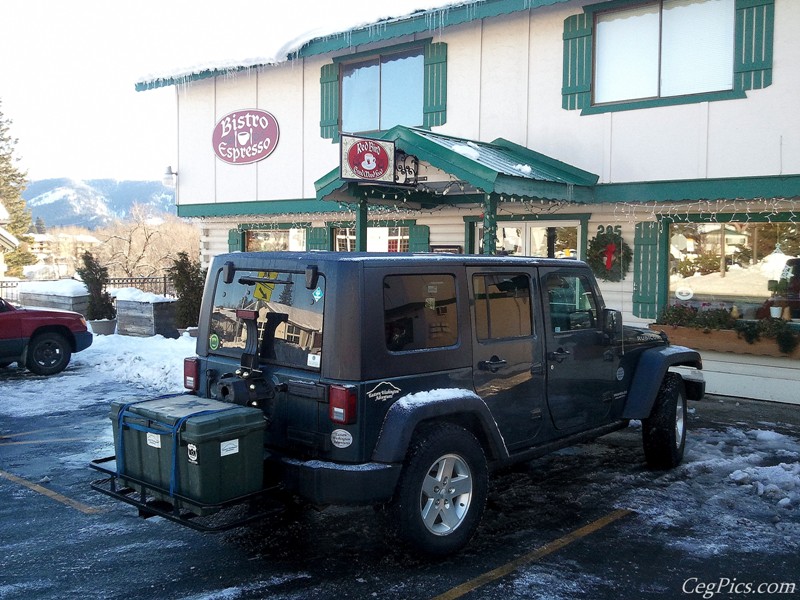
(500, 168)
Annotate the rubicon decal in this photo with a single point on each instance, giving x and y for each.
(245, 136)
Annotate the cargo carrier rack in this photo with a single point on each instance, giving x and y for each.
(147, 499)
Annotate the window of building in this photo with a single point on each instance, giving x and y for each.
(419, 312)
(270, 240)
(379, 239)
(502, 306)
(727, 264)
(374, 91)
(667, 48)
(384, 91)
(665, 52)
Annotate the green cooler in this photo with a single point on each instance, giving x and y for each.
(196, 452)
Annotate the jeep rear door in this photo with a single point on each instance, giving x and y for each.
(508, 365)
(581, 369)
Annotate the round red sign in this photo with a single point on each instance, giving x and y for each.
(367, 159)
(245, 136)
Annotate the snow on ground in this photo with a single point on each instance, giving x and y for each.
(738, 489)
(148, 363)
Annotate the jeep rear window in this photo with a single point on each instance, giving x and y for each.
(283, 304)
(419, 312)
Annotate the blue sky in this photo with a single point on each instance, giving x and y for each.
(68, 69)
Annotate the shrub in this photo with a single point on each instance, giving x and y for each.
(188, 279)
(95, 276)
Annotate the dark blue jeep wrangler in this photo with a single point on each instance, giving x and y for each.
(397, 380)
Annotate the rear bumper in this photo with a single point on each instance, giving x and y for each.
(323, 482)
(83, 339)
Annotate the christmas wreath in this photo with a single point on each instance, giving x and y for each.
(609, 256)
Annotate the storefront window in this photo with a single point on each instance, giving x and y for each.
(271, 240)
(379, 239)
(722, 265)
(551, 240)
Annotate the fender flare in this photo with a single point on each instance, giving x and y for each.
(652, 367)
(454, 405)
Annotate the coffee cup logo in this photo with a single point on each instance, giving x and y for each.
(245, 136)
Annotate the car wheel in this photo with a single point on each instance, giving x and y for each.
(664, 432)
(48, 354)
(442, 491)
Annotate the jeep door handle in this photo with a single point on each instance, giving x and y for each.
(558, 355)
(493, 365)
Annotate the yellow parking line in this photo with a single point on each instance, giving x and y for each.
(84, 508)
(532, 556)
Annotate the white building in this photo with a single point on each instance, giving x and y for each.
(8, 242)
(568, 128)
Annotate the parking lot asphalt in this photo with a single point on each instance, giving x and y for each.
(586, 522)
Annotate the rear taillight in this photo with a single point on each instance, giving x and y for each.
(342, 404)
(191, 373)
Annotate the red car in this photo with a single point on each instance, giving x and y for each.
(39, 338)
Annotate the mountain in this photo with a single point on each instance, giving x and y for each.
(93, 203)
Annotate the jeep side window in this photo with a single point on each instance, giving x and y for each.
(502, 306)
(572, 302)
(419, 312)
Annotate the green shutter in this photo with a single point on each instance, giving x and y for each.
(318, 238)
(645, 270)
(434, 107)
(235, 240)
(329, 101)
(419, 238)
(576, 90)
(755, 22)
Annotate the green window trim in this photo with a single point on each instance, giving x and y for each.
(434, 108)
(752, 69)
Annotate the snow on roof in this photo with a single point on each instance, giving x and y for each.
(247, 51)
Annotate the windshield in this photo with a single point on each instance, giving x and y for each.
(288, 317)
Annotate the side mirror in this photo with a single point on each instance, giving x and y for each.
(612, 324)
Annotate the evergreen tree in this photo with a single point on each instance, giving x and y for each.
(188, 278)
(12, 184)
(39, 226)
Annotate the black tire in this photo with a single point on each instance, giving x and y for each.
(664, 432)
(430, 514)
(48, 353)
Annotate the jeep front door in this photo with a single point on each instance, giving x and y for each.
(507, 359)
(581, 369)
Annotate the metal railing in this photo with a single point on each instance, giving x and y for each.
(155, 285)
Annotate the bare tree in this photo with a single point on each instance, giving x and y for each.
(145, 244)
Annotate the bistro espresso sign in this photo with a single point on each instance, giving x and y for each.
(245, 136)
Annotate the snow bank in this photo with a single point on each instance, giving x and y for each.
(152, 364)
(63, 287)
(136, 295)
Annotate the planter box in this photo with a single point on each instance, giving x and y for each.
(145, 319)
(104, 326)
(721, 340)
(77, 304)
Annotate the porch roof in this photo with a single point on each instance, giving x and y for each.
(499, 167)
